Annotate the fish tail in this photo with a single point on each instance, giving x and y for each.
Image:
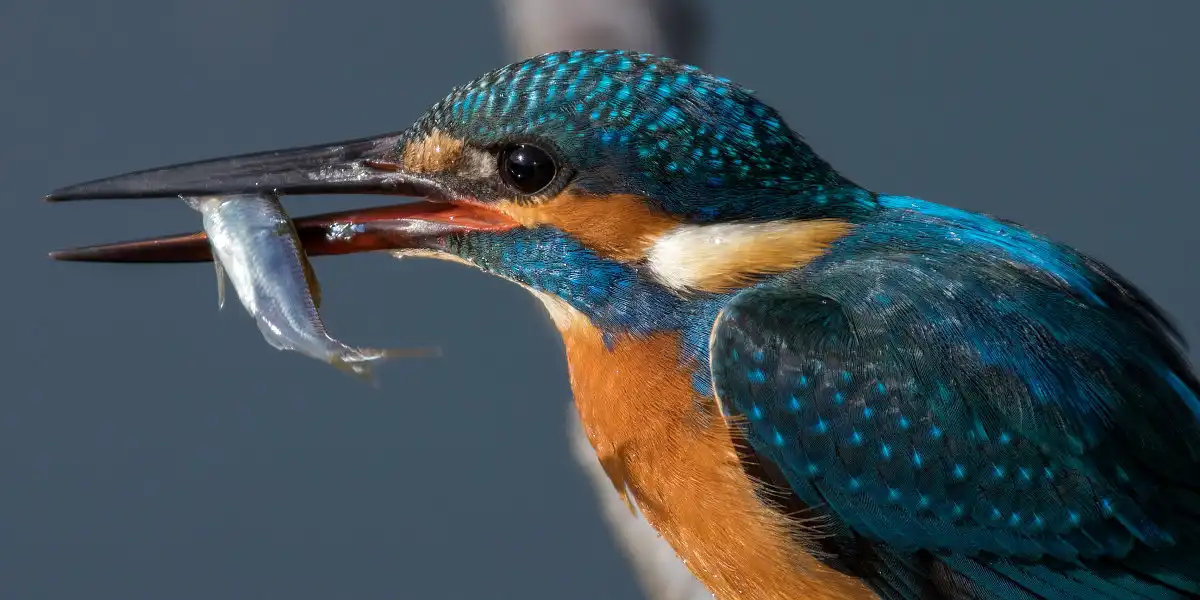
(361, 361)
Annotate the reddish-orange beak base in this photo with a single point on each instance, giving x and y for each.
(347, 232)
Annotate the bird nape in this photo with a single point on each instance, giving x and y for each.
(810, 389)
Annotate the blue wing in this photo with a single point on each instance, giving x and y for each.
(947, 385)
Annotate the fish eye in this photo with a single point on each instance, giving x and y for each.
(526, 168)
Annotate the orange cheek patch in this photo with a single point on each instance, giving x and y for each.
(433, 153)
(621, 227)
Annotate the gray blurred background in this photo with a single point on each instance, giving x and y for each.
(151, 447)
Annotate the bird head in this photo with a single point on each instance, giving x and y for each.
(616, 182)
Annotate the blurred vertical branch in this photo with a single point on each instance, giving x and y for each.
(675, 28)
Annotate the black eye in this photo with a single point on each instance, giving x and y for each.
(527, 169)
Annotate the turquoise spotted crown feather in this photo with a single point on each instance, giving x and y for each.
(652, 126)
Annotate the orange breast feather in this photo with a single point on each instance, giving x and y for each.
(673, 453)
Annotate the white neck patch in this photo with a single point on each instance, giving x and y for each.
(719, 256)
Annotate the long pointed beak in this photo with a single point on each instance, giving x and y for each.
(362, 166)
(340, 168)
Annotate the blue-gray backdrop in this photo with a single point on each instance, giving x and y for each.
(151, 447)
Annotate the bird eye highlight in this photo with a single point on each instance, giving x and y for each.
(526, 168)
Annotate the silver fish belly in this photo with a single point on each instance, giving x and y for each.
(255, 243)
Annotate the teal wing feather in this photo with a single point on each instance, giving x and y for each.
(989, 414)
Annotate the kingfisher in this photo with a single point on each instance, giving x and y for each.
(810, 389)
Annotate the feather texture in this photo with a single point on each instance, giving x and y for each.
(944, 384)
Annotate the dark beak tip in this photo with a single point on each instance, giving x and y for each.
(82, 191)
(65, 255)
(71, 255)
(71, 192)
(58, 195)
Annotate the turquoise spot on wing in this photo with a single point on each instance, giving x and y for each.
(778, 438)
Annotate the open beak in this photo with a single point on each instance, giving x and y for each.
(363, 166)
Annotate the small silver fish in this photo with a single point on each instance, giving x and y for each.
(255, 243)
